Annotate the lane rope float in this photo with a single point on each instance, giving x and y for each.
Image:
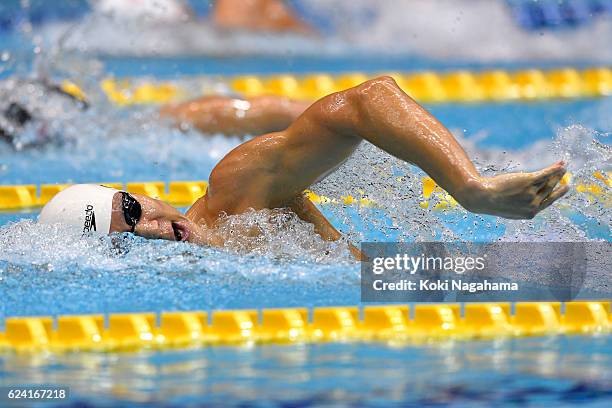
(454, 86)
(427, 86)
(386, 323)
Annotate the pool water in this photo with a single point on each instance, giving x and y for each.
(45, 271)
(528, 372)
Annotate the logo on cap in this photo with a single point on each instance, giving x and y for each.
(90, 219)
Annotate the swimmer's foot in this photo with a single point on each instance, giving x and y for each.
(518, 195)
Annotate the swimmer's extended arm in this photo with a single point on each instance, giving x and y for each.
(270, 170)
(388, 118)
(236, 117)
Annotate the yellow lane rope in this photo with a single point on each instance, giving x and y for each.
(184, 193)
(426, 86)
(389, 323)
(26, 196)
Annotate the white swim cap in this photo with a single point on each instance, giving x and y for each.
(85, 206)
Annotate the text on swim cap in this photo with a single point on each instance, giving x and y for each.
(90, 219)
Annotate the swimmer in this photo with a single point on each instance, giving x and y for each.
(230, 15)
(272, 171)
(257, 15)
(29, 108)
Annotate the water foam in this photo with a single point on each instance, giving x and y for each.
(279, 233)
(276, 235)
(123, 273)
(396, 186)
(477, 30)
(107, 144)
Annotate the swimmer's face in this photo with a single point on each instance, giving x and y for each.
(158, 220)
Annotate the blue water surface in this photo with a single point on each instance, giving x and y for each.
(547, 371)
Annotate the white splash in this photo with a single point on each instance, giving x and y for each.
(397, 188)
(478, 30)
(281, 234)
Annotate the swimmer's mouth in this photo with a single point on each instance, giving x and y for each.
(181, 233)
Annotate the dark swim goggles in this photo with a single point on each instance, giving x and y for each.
(131, 210)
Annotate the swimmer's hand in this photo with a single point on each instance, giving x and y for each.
(518, 195)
